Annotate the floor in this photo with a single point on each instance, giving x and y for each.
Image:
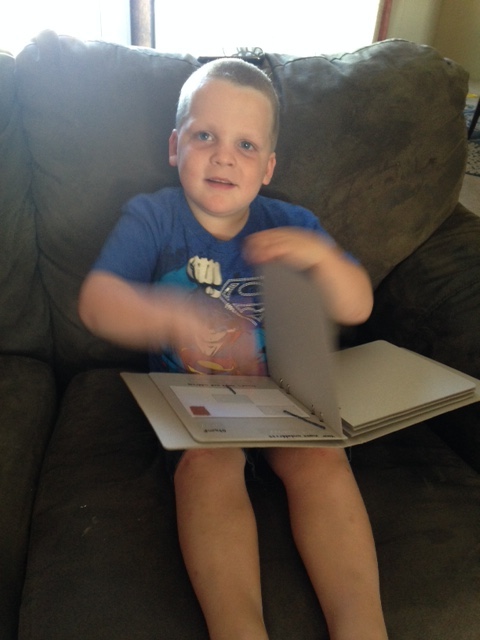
(470, 193)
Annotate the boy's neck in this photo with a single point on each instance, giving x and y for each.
(227, 231)
(222, 228)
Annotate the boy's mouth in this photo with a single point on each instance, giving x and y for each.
(220, 182)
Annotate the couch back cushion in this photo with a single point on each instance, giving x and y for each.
(24, 310)
(373, 142)
(98, 117)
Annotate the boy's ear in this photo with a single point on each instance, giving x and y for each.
(272, 161)
(172, 148)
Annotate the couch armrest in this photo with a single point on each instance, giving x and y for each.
(430, 303)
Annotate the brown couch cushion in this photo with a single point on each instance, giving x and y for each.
(374, 143)
(98, 118)
(24, 317)
(105, 564)
(27, 408)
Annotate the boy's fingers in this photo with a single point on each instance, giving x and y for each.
(298, 248)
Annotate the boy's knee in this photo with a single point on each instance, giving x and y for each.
(315, 461)
(203, 464)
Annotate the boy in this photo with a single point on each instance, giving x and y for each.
(198, 245)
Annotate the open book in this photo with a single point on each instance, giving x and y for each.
(313, 396)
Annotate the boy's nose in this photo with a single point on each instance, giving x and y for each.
(223, 155)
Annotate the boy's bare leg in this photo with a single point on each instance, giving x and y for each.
(218, 538)
(333, 535)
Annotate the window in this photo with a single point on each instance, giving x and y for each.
(301, 28)
(210, 27)
(22, 20)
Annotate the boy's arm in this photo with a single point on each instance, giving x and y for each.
(134, 316)
(345, 284)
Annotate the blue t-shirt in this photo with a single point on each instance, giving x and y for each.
(158, 240)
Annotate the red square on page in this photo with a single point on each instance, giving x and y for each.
(200, 411)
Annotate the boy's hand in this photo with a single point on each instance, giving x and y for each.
(139, 317)
(153, 318)
(300, 248)
(344, 283)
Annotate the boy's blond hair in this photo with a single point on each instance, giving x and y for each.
(237, 72)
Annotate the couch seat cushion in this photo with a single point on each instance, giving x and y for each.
(104, 559)
(27, 407)
(423, 503)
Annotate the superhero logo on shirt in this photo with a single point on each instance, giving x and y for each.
(234, 311)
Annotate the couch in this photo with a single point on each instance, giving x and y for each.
(374, 142)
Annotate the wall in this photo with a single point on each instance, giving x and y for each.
(451, 26)
(458, 34)
(414, 20)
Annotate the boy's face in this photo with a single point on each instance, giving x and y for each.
(223, 151)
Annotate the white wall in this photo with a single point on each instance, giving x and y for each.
(458, 33)
(414, 20)
(451, 26)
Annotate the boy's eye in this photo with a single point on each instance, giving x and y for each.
(247, 146)
(204, 135)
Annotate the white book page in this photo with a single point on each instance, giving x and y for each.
(230, 401)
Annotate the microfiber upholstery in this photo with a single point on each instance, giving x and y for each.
(97, 117)
(423, 503)
(431, 303)
(434, 296)
(381, 190)
(27, 409)
(104, 552)
(24, 318)
(105, 560)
